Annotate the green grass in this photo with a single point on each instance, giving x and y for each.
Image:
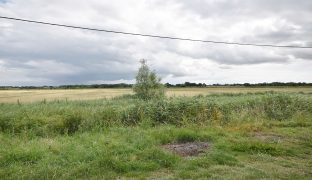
(263, 135)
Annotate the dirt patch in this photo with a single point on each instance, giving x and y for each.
(268, 137)
(187, 149)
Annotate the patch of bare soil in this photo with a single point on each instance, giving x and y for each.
(268, 137)
(187, 149)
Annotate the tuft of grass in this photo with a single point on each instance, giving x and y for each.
(71, 123)
(185, 136)
(222, 158)
(25, 157)
(258, 147)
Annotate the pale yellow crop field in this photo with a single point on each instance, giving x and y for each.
(11, 96)
(59, 94)
(219, 90)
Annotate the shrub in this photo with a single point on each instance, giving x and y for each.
(147, 84)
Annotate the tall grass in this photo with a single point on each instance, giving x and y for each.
(250, 136)
(68, 117)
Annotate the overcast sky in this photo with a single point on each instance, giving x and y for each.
(32, 54)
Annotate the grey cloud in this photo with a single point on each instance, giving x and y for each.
(235, 55)
(255, 8)
(225, 67)
(42, 54)
(292, 25)
(302, 54)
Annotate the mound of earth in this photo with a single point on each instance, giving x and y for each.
(187, 149)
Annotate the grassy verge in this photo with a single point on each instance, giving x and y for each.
(264, 135)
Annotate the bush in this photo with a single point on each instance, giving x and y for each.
(147, 84)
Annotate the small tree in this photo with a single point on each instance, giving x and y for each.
(148, 85)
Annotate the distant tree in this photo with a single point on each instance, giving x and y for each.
(148, 84)
(168, 85)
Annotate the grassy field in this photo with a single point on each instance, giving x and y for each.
(250, 136)
(9, 96)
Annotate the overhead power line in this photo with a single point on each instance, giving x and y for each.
(155, 36)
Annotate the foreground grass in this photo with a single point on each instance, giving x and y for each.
(278, 150)
(264, 135)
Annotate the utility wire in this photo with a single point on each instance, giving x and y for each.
(155, 36)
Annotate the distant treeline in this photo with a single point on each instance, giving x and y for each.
(186, 84)
(81, 86)
(189, 84)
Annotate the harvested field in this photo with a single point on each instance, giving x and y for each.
(12, 96)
